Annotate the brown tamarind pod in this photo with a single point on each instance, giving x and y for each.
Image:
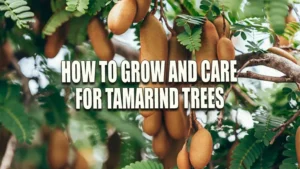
(58, 149)
(183, 161)
(209, 41)
(55, 41)
(142, 9)
(6, 53)
(282, 53)
(176, 121)
(98, 36)
(153, 123)
(201, 148)
(177, 51)
(149, 112)
(80, 162)
(153, 48)
(170, 160)
(161, 143)
(230, 153)
(297, 143)
(121, 16)
(225, 49)
(219, 24)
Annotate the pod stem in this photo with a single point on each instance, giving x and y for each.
(224, 22)
(155, 7)
(163, 17)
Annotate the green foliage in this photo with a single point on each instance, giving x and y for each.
(190, 7)
(278, 10)
(210, 8)
(56, 21)
(254, 8)
(96, 5)
(13, 116)
(77, 5)
(291, 29)
(246, 153)
(263, 130)
(290, 152)
(78, 29)
(191, 37)
(17, 10)
(233, 5)
(267, 158)
(144, 165)
(55, 107)
(57, 5)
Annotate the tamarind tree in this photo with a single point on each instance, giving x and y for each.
(257, 128)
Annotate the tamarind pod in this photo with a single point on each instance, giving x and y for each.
(55, 41)
(297, 143)
(177, 51)
(142, 9)
(283, 41)
(176, 121)
(290, 18)
(230, 153)
(98, 36)
(153, 48)
(152, 124)
(121, 16)
(219, 24)
(6, 53)
(161, 143)
(209, 41)
(170, 160)
(201, 149)
(183, 161)
(80, 162)
(149, 112)
(225, 49)
(58, 149)
(282, 53)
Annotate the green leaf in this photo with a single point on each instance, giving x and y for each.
(286, 90)
(55, 107)
(56, 21)
(278, 10)
(268, 157)
(243, 35)
(12, 113)
(78, 29)
(77, 5)
(96, 5)
(18, 11)
(191, 41)
(190, 7)
(291, 157)
(144, 165)
(246, 152)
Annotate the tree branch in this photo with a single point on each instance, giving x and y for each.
(125, 50)
(289, 68)
(253, 75)
(282, 127)
(9, 153)
(239, 92)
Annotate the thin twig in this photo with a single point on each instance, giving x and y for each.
(9, 153)
(282, 127)
(221, 115)
(238, 91)
(162, 16)
(253, 75)
(155, 7)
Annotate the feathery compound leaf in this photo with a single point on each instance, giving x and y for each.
(263, 131)
(190, 7)
(290, 153)
(12, 113)
(246, 152)
(18, 11)
(95, 6)
(144, 165)
(79, 5)
(192, 41)
(55, 107)
(278, 10)
(291, 29)
(268, 157)
(56, 21)
(78, 29)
